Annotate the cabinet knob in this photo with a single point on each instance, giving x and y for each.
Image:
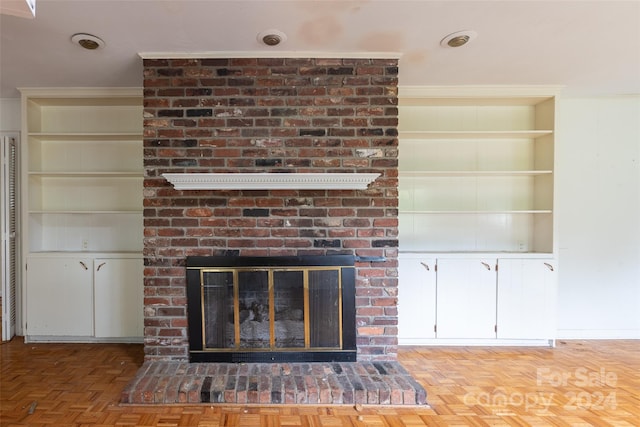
(487, 266)
(84, 265)
(549, 266)
(100, 266)
(425, 266)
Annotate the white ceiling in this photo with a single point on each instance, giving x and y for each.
(590, 47)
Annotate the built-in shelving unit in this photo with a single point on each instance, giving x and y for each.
(83, 163)
(476, 220)
(476, 170)
(82, 173)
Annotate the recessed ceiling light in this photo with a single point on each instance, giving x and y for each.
(458, 39)
(272, 37)
(87, 41)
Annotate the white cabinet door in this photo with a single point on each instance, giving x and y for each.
(118, 297)
(526, 299)
(416, 299)
(59, 296)
(466, 298)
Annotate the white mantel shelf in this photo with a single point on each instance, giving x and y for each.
(270, 181)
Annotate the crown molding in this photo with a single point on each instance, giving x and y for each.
(269, 54)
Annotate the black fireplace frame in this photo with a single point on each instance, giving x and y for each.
(197, 351)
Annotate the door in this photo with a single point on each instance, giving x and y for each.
(118, 297)
(416, 299)
(466, 298)
(59, 296)
(526, 299)
(9, 230)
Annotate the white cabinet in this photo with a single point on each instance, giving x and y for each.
(466, 298)
(476, 170)
(118, 299)
(416, 298)
(475, 300)
(60, 296)
(72, 296)
(526, 299)
(81, 199)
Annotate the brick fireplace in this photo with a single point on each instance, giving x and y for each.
(278, 115)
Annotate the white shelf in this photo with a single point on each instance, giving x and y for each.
(475, 254)
(474, 173)
(83, 97)
(101, 254)
(82, 136)
(496, 212)
(85, 212)
(78, 174)
(474, 134)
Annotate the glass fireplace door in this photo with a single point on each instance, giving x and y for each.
(261, 309)
(218, 313)
(325, 315)
(271, 309)
(254, 310)
(289, 303)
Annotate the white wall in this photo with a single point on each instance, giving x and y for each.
(598, 214)
(10, 114)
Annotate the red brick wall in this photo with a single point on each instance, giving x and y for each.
(270, 115)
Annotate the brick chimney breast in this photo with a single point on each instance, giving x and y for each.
(273, 115)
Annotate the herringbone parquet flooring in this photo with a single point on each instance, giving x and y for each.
(579, 383)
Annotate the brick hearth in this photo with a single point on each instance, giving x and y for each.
(378, 383)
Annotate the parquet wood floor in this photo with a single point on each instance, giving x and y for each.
(579, 383)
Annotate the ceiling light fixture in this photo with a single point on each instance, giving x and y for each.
(272, 37)
(458, 39)
(87, 41)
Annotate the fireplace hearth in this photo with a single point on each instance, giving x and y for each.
(271, 309)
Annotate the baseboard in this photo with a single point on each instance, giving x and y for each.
(81, 340)
(598, 334)
(477, 342)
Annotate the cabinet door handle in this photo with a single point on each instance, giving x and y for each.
(100, 266)
(487, 266)
(84, 265)
(549, 266)
(425, 266)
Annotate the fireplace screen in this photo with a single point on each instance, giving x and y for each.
(270, 311)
